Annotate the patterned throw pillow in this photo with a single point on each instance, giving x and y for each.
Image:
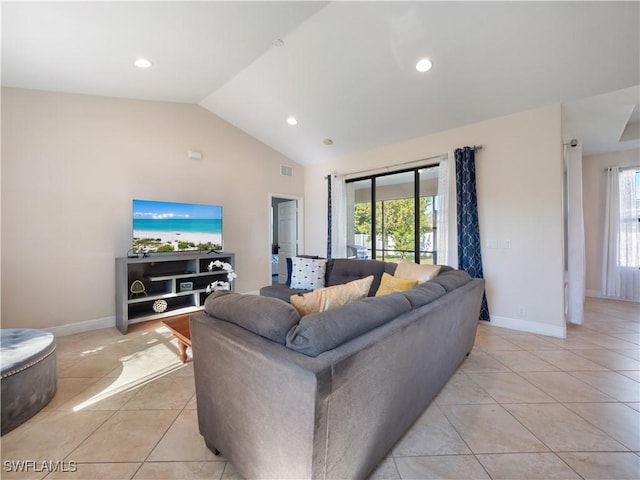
(392, 284)
(331, 297)
(307, 273)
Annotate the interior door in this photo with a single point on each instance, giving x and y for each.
(287, 236)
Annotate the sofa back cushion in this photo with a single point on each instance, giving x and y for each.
(452, 279)
(319, 332)
(424, 293)
(265, 316)
(344, 270)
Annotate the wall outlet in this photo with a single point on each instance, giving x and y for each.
(522, 312)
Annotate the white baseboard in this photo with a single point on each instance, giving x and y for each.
(598, 294)
(81, 327)
(528, 326)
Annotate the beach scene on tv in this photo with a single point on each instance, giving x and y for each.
(176, 227)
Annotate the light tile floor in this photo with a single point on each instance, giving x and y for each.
(521, 406)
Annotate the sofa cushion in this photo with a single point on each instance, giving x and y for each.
(331, 297)
(319, 332)
(268, 317)
(424, 293)
(452, 279)
(391, 284)
(417, 271)
(308, 273)
(343, 270)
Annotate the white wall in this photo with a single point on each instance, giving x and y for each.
(593, 188)
(71, 164)
(519, 176)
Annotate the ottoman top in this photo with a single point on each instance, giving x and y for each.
(20, 347)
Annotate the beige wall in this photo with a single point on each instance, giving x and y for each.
(593, 192)
(71, 164)
(520, 199)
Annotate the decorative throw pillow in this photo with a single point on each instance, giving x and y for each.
(331, 297)
(307, 273)
(289, 269)
(414, 271)
(391, 284)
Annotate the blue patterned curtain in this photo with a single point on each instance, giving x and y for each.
(329, 215)
(469, 256)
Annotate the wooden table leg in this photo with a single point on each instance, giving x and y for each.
(179, 326)
(183, 350)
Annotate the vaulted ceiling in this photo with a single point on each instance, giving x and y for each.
(345, 70)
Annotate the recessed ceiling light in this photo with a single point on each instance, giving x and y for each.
(142, 63)
(278, 42)
(328, 141)
(292, 121)
(424, 65)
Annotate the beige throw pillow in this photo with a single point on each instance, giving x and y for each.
(414, 271)
(331, 297)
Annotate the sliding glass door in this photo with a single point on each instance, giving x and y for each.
(393, 215)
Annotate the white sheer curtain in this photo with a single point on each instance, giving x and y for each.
(338, 217)
(621, 247)
(447, 234)
(610, 274)
(576, 264)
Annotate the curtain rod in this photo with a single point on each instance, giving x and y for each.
(633, 167)
(395, 165)
(473, 147)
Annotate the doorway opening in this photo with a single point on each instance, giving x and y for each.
(286, 233)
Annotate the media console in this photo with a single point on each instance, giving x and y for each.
(178, 280)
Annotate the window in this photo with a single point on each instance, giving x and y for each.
(394, 215)
(629, 233)
(621, 236)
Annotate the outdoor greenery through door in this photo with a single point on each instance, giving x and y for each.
(394, 215)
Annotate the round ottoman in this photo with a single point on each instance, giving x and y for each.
(29, 379)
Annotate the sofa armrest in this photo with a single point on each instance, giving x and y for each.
(280, 291)
(256, 399)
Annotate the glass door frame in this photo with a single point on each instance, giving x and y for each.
(416, 208)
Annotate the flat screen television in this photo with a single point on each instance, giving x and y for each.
(176, 227)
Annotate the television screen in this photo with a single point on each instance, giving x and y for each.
(176, 227)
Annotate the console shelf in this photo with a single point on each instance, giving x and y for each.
(179, 279)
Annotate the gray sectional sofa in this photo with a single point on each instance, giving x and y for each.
(329, 394)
